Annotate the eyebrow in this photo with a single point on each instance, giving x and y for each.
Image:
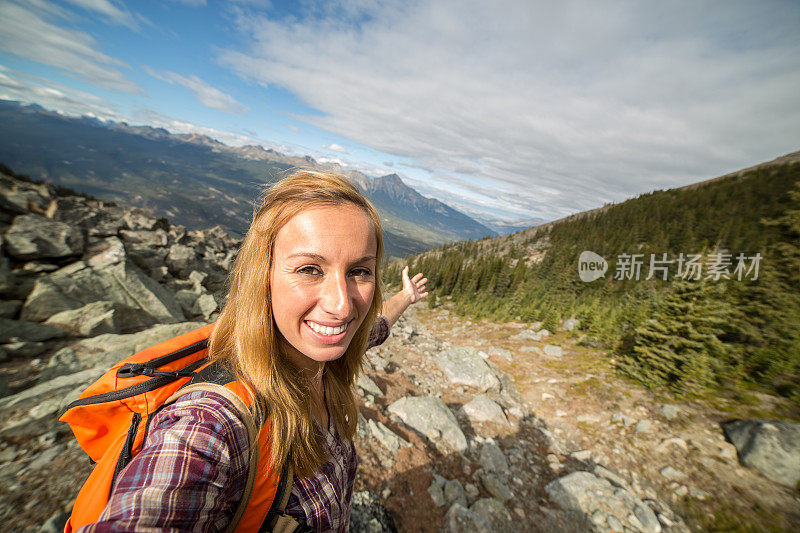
(321, 259)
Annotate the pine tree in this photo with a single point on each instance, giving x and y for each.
(680, 346)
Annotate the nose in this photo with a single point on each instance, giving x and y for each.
(335, 296)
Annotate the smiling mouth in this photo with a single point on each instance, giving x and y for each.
(328, 331)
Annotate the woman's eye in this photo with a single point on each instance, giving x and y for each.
(311, 270)
(362, 272)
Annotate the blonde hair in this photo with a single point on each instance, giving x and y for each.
(245, 337)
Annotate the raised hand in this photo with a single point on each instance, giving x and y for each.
(414, 288)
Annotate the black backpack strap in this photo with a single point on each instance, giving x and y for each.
(213, 373)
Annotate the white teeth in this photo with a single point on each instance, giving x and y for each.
(326, 330)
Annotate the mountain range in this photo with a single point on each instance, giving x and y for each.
(198, 181)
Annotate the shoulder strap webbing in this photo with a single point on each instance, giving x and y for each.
(212, 379)
(252, 437)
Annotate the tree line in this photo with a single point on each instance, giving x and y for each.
(688, 332)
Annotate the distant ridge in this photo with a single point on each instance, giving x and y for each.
(197, 180)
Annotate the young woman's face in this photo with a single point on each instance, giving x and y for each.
(322, 281)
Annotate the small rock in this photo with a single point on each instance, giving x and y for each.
(582, 455)
(553, 351)
(616, 480)
(495, 487)
(547, 396)
(671, 473)
(571, 323)
(647, 518)
(459, 519)
(666, 444)
(482, 409)
(437, 494)
(668, 411)
(494, 513)
(367, 385)
(643, 426)
(454, 493)
(492, 458)
(501, 352)
(681, 491)
(613, 523)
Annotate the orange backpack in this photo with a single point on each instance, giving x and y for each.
(110, 421)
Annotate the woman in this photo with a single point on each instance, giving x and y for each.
(304, 295)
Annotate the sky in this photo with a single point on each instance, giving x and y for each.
(504, 109)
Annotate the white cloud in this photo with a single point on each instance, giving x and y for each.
(557, 107)
(206, 94)
(28, 89)
(29, 31)
(118, 14)
(335, 147)
(192, 3)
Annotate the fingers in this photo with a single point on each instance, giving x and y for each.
(416, 277)
(421, 282)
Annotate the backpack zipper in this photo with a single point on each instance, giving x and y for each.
(125, 455)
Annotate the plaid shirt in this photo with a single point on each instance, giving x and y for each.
(192, 470)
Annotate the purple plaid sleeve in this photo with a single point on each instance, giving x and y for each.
(189, 475)
(379, 333)
(323, 501)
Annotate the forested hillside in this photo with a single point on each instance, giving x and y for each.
(721, 307)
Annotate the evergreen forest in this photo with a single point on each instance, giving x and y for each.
(721, 307)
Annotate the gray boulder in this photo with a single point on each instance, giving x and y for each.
(182, 260)
(454, 492)
(101, 317)
(98, 219)
(770, 446)
(205, 306)
(19, 197)
(552, 350)
(600, 504)
(368, 515)
(34, 236)
(495, 485)
(10, 308)
(24, 349)
(494, 513)
(432, 418)
(143, 219)
(482, 409)
(571, 323)
(463, 366)
(459, 519)
(45, 300)
(63, 362)
(492, 458)
(386, 436)
(501, 352)
(12, 331)
(121, 282)
(368, 386)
